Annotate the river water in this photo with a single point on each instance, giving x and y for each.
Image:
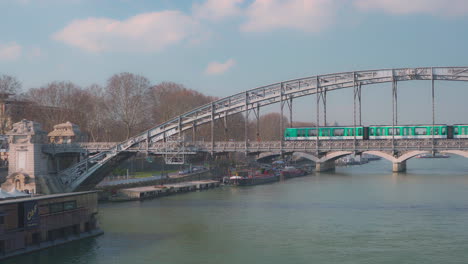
(361, 214)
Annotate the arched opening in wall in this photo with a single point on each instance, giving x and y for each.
(17, 184)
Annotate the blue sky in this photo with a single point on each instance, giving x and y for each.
(221, 47)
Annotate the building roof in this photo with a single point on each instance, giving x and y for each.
(43, 197)
(66, 129)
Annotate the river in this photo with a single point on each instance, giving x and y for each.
(360, 214)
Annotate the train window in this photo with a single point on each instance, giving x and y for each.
(338, 132)
(419, 131)
(436, 130)
(390, 132)
(455, 130)
(359, 131)
(377, 131)
(444, 131)
(325, 132)
(371, 131)
(312, 132)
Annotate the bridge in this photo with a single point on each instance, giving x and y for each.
(167, 139)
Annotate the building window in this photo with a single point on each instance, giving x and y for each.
(55, 208)
(60, 207)
(70, 205)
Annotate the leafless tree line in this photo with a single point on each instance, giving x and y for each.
(126, 105)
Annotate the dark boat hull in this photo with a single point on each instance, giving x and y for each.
(255, 180)
(293, 174)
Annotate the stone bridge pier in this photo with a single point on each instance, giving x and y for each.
(328, 165)
(399, 166)
(29, 168)
(27, 165)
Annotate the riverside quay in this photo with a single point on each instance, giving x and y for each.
(33, 223)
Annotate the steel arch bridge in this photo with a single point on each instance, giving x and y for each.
(90, 171)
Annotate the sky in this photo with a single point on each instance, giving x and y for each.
(222, 47)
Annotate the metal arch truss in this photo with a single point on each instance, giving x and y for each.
(256, 98)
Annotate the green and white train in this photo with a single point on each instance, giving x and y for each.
(377, 132)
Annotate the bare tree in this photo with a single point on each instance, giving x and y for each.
(168, 99)
(9, 110)
(9, 85)
(270, 126)
(57, 102)
(125, 93)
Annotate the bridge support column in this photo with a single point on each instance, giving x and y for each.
(399, 166)
(328, 165)
(27, 165)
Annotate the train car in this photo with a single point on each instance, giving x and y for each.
(377, 132)
(324, 133)
(402, 132)
(460, 131)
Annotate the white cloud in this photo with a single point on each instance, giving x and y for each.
(216, 10)
(10, 51)
(219, 67)
(144, 32)
(304, 15)
(401, 7)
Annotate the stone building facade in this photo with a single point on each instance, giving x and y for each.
(26, 159)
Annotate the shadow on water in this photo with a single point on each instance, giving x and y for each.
(91, 249)
(81, 251)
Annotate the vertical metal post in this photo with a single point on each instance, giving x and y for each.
(194, 131)
(246, 136)
(396, 102)
(86, 158)
(359, 97)
(225, 125)
(393, 112)
(433, 109)
(147, 142)
(212, 128)
(317, 114)
(281, 117)
(290, 105)
(355, 92)
(324, 99)
(179, 126)
(257, 130)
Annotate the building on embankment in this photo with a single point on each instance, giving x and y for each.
(33, 223)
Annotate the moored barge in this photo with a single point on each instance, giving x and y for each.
(253, 177)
